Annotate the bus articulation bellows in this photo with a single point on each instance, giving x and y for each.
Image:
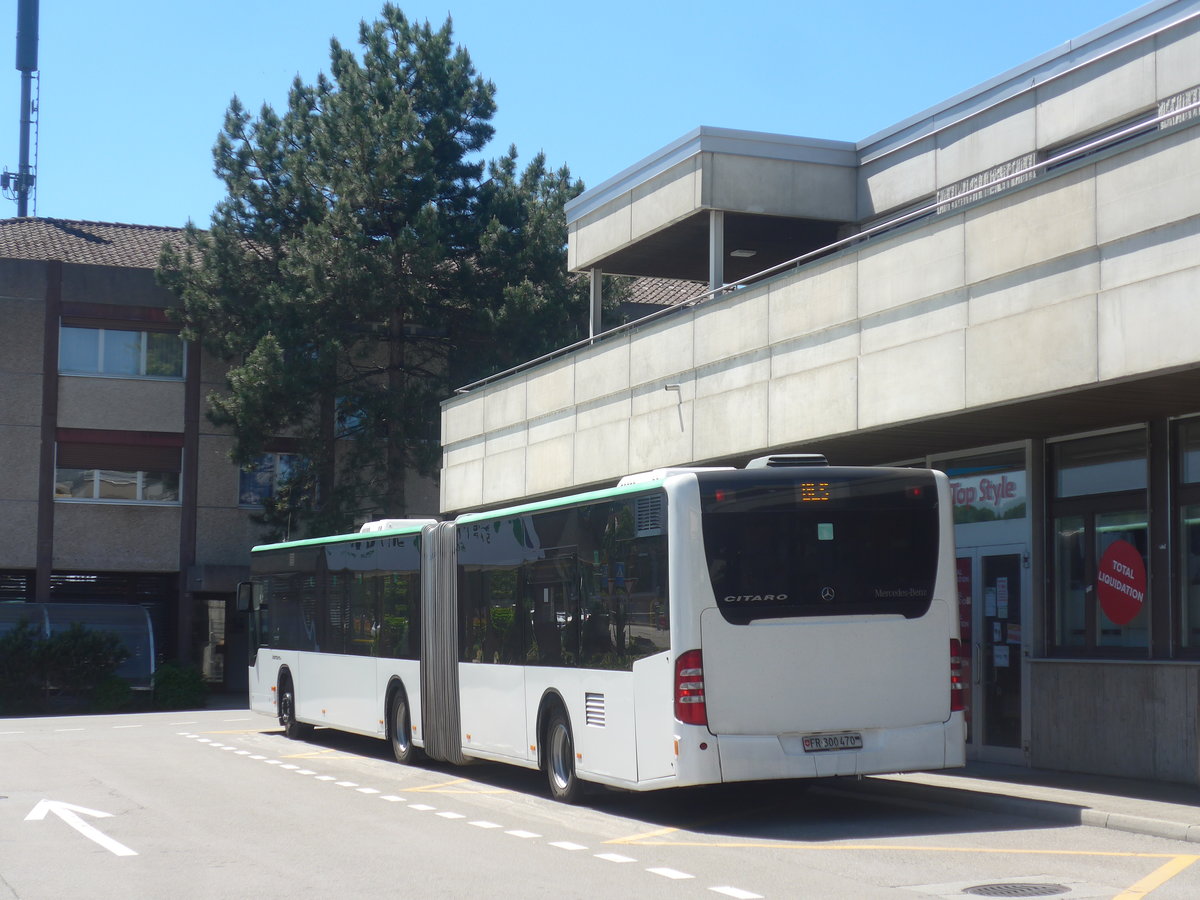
(688, 626)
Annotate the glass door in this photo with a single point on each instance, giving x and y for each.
(992, 588)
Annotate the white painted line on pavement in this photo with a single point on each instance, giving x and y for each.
(670, 873)
(615, 857)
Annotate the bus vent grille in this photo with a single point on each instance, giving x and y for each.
(649, 513)
(594, 709)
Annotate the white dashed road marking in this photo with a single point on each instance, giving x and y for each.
(570, 846)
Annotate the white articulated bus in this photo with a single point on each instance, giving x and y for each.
(688, 626)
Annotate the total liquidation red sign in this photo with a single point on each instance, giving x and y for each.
(1121, 582)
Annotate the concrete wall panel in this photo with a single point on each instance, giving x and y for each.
(780, 187)
(731, 406)
(817, 350)
(1140, 324)
(602, 370)
(21, 399)
(1094, 96)
(1152, 185)
(21, 336)
(897, 179)
(20, 448)
(224, 537)
(812, 403)
(462, 482)
(732, 328)
(1084, 713)
(661, 428)
(594, 237)
(924, 378)
(549, 388)
(504, 475)
(96, 536)
(550, 464)
(120, 404)
(1042, 222)
(218, 477)
(1172, 248)
(462, 421)
(602, 450)
(506, 403)
(916, 321)
(1177, 62)
(20, 532)
(666, 198)
(1053, 281)
(980, 142)
(662, 350)
(914, 265)
(1037, 352)
(821, 296)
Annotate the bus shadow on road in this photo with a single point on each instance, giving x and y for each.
(809, 811)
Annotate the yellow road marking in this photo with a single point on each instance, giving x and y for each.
(1157, 878)
(441, 788)
(635, 838)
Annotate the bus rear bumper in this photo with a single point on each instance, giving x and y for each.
(759, 757)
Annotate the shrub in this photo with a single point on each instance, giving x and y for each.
(111, 695)
(179, 687)
(22, 681)
(79, 659)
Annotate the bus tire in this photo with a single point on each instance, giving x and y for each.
(565, 785)
(292, 727)
(400, 729)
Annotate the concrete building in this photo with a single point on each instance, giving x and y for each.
(1007, 287)
(115, 488)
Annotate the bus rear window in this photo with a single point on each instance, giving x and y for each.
(820, 542)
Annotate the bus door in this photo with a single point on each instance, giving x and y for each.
(250, 603)
(992, 587)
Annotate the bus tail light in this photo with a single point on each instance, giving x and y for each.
(958, 686)
(689, 689)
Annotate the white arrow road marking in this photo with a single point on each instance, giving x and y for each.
(68, 812)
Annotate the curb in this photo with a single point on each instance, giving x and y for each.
(1060, 811)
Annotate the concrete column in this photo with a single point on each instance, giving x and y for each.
(597, 301)
(716, 248)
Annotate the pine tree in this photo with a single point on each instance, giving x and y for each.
(358, 266)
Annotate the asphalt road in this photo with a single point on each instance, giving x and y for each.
(218, 803)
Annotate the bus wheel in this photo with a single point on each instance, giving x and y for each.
(400, 730)
(565, 785)
(287, 710)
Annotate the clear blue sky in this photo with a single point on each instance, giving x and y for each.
(133, 92)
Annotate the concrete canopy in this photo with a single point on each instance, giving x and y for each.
(779, 196)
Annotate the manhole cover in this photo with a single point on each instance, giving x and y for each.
(1017, 890)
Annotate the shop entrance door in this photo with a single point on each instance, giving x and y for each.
(992, 588)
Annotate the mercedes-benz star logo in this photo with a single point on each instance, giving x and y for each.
(827, 594)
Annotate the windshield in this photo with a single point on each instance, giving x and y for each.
(820, 541)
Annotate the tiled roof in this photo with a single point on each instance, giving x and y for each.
(664, 291)
(90, 243)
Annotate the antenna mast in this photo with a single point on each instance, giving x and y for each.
(21, 183)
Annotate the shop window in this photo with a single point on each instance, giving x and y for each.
(1189, 536)
(126, 353)
(1100, 546)
(121, 469)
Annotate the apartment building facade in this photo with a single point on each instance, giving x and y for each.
(115, 488)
